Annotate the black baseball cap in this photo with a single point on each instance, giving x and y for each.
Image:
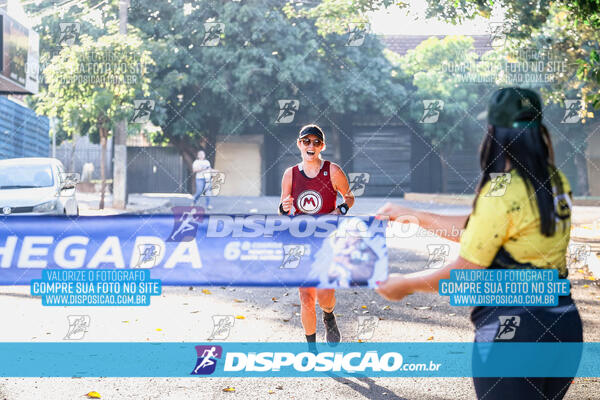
(514, 108)
(311, 130)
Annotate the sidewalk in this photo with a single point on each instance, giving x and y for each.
(138, 203)
(448, 198)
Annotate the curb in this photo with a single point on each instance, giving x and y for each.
(459, 199)
(153, 210)
(467, 199)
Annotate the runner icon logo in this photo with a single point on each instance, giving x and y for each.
(292, 255)
(431, 111)
(222, 325)
(287, 111)
(577, 255)
(498, 32)
(148, 255)
(357, 32)
(573, 111)
(186, 223)
(499, 183)
(310, 202)
(437, 255)
(78, 326)
(141, 111)
(358, 182)
(69, 32)
(366, 326)
(212, 33)
(207, 359)
(508, 327)
(217, 179)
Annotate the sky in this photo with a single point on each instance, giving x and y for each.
(392, 20)
(395, 21)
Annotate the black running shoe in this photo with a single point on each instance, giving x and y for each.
(333, 333)
(312, 345)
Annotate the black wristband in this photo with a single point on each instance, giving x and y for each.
(281, 210)
(343, 208)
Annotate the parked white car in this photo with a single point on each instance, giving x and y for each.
(36, 186)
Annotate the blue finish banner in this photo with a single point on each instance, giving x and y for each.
(191, 248)
(255, 359)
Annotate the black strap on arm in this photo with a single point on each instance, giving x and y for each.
(281, 210)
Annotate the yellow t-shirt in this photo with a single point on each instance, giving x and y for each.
(506, 215)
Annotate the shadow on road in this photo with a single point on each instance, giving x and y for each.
(372, 391)
(20, 295)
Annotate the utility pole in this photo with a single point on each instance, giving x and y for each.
(53, 130)
(120, 135)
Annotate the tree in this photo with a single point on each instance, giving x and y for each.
(53, 22)
(92, 85)
(557, 51)
(61, 25)
(231, 83)
(335, 16)
(436, 68)
(569, 29)
(522, 19)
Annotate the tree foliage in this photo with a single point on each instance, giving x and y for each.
(335, 16)
(523, 19)
(92, 85)
(433, 67)
(91, 18)
(563, 52)
(261, 56)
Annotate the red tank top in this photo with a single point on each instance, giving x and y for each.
(313, 195)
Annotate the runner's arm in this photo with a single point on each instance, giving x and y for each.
(286, 190)
(447, 226)
(341, 185)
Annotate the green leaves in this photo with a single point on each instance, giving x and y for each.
(435, 66)
(572, 25)
(263, 56)
(95, 82)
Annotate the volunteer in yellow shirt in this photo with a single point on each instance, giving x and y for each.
(504, 227)
(521, 219)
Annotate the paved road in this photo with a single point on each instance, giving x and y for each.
(182, 314)
(162, 202)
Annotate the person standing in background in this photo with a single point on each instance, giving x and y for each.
(202, 169)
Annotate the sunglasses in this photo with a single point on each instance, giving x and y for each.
(316, 142)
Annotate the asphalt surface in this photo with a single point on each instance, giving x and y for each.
(269, 315)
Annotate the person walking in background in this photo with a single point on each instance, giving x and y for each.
(202, 169)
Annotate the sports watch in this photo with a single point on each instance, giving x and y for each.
(282, 211)
(343, 208)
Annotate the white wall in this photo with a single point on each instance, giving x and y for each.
(593, 164)
(240, 159)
